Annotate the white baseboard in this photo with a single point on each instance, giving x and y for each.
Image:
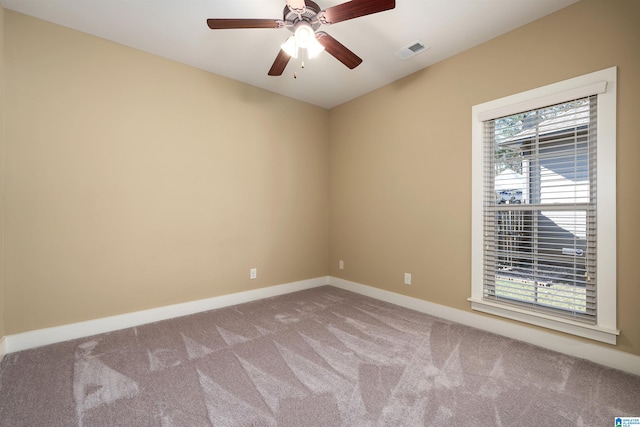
(596, 353)
(40, 337)
(3, 348)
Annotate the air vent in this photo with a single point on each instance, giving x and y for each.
(410, 50)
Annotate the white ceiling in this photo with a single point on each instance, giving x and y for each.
(176, 29)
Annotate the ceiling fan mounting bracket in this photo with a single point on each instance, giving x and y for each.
(292, 17)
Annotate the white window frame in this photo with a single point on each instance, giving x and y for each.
(604, 84)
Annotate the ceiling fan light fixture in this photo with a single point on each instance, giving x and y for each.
(290, 47)
(314, 49)
(304, 35)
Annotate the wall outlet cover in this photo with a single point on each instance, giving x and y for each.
(407, 278)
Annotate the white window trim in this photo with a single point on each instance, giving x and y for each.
(603, 83)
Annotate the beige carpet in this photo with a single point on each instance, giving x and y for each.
(322, 357)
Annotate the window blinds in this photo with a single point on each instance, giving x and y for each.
(539, 210)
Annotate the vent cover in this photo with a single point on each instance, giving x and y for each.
(410, 50)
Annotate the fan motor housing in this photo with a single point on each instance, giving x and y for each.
(292, 18)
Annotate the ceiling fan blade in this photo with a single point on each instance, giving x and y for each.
(338, 50)
(228, 24)
(354, 9)
(279, 64)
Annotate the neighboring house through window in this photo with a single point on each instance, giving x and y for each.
(544, 206)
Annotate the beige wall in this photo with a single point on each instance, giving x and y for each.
(134, 182)
(1, 170)
(400, 164)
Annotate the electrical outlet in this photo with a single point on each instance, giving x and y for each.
(407, 278)
(253, 273)
(341, 264)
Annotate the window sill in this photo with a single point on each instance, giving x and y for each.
(593, 332)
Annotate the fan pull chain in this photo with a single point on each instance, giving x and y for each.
(295, 73)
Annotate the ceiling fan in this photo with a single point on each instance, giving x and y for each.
(303, 18)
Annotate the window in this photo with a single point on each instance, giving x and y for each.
(544, 206)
